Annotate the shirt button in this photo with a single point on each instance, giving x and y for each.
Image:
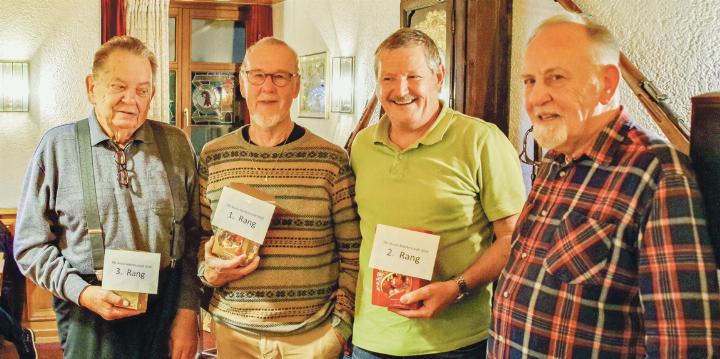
(523, 256)
(506, 294)
(543, 212)
(562, 173)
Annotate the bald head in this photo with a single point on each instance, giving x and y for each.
(282, 47)
(605, 50)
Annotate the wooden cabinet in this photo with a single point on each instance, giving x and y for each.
(39, 315)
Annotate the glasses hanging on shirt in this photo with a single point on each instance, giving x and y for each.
(524, 158)
(121, 162)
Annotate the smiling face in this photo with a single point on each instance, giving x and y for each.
(407, 88)
(121, 92)
(269, 104)
(566, 90)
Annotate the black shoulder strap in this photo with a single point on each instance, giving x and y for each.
(92, 215)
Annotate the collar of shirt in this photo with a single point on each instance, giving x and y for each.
(606, 144)
(97, 135)
(434, 135)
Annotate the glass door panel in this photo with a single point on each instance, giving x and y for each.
(171, 39)
(173, 97)
(218, 41)
(202, 134)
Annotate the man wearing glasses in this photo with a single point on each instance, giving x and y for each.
(297, 298)
(105, 183)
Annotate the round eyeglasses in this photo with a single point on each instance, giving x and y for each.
(280, 79)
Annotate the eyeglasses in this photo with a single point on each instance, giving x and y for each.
(123, 177)
(280, 79)
(524, 158)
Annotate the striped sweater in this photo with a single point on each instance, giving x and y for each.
(309, 260)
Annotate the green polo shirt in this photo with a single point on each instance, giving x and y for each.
(458, 178)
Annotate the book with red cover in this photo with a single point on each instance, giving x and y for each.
(388, 287)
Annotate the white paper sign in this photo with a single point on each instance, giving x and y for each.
(404, 251)
(243, 215)
(131, 271)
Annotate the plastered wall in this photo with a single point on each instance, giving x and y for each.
(58, 38)
(340, 28)
(676, 44)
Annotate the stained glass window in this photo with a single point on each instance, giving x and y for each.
(214, 98)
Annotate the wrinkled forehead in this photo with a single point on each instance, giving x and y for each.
(402, 59)
(126, 66)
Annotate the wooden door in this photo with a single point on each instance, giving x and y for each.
(207, 47)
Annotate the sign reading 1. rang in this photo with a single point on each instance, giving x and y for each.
(404, 251)
(243, 214)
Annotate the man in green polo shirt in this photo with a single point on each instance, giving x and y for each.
(427, 167)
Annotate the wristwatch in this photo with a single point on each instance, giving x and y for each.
(460, 281)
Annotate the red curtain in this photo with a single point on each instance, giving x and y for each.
(259, 25)
(113, 18)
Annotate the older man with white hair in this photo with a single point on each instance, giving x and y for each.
(111, 182)
(611, 257)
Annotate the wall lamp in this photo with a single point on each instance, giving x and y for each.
(343, 82)
(14, 86)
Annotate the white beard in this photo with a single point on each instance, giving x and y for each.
(265, 121)
(550, 136)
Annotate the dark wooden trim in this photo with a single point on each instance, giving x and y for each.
(457, 68)
(488, 35)
(214, 66)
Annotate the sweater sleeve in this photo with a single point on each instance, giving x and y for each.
(347, 237)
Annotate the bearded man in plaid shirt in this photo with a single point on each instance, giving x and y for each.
(611, 257)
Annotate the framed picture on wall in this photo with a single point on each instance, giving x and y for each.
(313, 85)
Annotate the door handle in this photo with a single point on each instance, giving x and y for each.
(186, 116)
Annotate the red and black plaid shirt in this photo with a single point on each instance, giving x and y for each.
(611, 258)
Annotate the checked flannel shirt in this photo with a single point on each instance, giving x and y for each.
(611, 258)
